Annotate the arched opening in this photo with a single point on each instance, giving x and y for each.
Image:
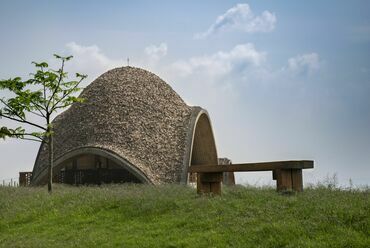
(89, 169)
(203, 145)
(92, 165)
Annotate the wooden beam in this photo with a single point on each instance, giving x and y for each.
(262, 166)
(212, 177)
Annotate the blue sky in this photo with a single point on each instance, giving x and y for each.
(281, 80)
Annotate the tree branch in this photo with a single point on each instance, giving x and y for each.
(55, 106)
(12, 110)
(39, 106)
(42, 116)
(30, 139)
(56, 89)
(43, 84)
(23, 121)
(19, 136)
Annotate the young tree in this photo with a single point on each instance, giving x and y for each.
(46, 92)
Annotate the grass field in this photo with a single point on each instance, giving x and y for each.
(174, 216)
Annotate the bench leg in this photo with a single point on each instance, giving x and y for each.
(209, 183)
(297, 181)
(216, 188)
(283, 180)
(202, 187)
(288, 179)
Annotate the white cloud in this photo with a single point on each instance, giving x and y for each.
(305, 64)
(91, 60)
(156, 52)
(240, 17)
(239, 58)
(243, 63)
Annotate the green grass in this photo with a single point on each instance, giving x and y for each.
(174, 216)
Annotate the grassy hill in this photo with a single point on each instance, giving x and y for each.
(174, 216)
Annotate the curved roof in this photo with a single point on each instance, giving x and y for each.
(133, 114)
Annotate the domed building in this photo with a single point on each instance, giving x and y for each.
(132, 127)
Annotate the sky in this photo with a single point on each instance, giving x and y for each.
(281, 80)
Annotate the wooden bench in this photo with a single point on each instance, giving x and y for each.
(288, 174)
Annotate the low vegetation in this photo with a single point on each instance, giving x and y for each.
(174, 216)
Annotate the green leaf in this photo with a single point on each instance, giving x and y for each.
(14, 133)
(79, 99)
(19, 130)
(66, 58)
(38, 134)
(4, 132)
(41, 65)
(82, 76)
(14, 84)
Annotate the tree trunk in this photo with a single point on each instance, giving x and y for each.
(51, 161)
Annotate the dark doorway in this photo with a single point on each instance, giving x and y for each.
(89, 169)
